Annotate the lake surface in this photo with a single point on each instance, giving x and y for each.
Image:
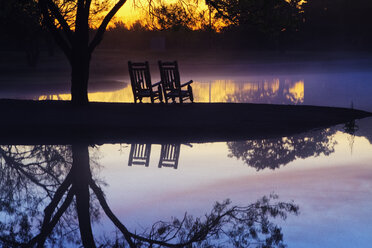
(326, 172)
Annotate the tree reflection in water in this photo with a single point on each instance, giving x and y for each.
(272, 153)
(48, 196)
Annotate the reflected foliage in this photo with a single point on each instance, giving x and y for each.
(277, 91)
(224, 226)
(49, 197)
(273, 153)
(29, 177)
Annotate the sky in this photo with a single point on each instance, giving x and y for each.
(132, 11)
(128, 13)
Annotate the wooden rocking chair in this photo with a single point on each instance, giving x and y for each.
(170, 81)
(141, 82)
(139, 154)
(169, 155)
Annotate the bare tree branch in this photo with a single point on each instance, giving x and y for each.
(66, 48)
(100, 196)
(102, 28)
(48, 226)
(57, 14)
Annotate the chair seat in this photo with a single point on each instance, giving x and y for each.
(145, 93)
(178, 93)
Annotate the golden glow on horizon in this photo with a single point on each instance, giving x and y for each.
(215, 91)
(297, 91)
(134, 10)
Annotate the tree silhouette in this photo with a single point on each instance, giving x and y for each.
(70, 22)
(338, 23)
(273, 153)
(239, 226)
(257, 18)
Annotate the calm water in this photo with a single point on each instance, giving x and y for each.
(327, 172)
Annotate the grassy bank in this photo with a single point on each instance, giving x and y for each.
(58, 122)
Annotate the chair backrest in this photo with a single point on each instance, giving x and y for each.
(169, 74)
(169, 155)
(139, 76)
(139, 154)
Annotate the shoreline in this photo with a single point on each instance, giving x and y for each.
(58, 122)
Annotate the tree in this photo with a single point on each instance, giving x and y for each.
(334, 24)
(262, 19)
(69, 22)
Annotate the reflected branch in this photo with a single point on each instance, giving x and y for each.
(100, 196)
(48, 225)
(250, 225)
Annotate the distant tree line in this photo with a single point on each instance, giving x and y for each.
(227, 24)
(250, 25)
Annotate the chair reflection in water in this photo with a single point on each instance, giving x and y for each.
(139, 154)
(169, 155)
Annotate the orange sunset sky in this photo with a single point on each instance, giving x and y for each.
(129, 13)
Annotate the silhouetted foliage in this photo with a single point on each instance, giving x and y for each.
(273, 153)
(257, 16)
(173, 17)
(20, 20)
(337, 24)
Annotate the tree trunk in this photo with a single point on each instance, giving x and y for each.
(80, 59)
(81, 179)
(80, 76)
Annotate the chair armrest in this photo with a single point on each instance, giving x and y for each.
(158, 83)
(189, 82)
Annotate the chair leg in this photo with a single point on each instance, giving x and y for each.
(189, 89)
(160, 94)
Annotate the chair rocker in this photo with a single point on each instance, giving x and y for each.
(170, 81)
(141, 82)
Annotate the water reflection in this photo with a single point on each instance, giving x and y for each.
(31, 177)
(46, 188)
(139, 154)
(169, 155)
(265, 91)
(273, 153)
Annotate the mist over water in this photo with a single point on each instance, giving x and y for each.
(327, 172)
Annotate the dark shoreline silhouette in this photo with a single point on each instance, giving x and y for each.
(59, 122)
